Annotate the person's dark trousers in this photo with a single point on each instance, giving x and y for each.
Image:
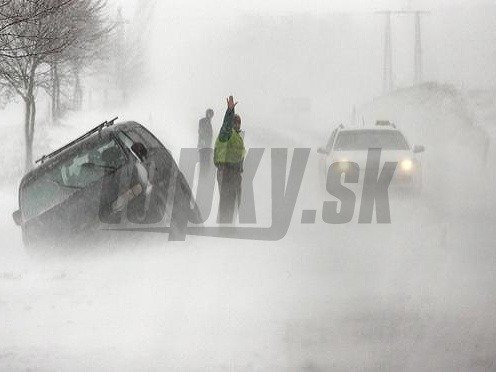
(229, 179)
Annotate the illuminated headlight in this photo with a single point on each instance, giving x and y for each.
(344, 165)
(407, 165)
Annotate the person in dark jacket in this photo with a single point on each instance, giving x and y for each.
(229, 155)
(205, 135)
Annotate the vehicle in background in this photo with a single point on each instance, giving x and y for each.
(112, 176)
(349, 147)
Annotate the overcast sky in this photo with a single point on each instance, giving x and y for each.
(293, 51)
(225, 7)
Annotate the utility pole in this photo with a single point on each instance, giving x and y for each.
(418, 49)
(387, 70)
(388, 82)
(388, 56)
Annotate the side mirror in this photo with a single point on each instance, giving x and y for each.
(322, 150)
(140, 150)
(418, 148)
(17, 216)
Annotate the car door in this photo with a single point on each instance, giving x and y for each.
(154, 168)
(169, 187)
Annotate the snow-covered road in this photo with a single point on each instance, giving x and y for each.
(417, 294)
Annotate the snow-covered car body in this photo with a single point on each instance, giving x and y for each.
(112, 176)
(349, 147)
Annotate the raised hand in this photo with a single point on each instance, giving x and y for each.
(230, 102)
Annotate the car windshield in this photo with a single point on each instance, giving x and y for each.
(366, 139)
(68, 176)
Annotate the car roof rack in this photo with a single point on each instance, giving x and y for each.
(384, 123)
(98, 128)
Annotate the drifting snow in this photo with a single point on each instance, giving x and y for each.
(415, 295)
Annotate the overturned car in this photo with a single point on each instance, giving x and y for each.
(116, 176)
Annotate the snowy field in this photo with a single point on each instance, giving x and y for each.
(418, 294)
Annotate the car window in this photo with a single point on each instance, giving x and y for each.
(366, 139)
(126, 140)
(149, 139)
(331, 139)
(70, 175)
(140, 134)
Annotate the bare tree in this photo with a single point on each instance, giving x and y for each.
(17, 18)
(33, 36)
(93, 30)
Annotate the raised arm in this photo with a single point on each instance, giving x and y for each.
(226, 129)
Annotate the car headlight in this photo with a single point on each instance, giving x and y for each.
(344, 164)
(407, 165)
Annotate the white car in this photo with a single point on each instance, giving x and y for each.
(350, 148)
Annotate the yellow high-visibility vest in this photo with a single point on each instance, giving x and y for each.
(231, 151)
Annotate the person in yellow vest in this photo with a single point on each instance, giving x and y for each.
(229, 154)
